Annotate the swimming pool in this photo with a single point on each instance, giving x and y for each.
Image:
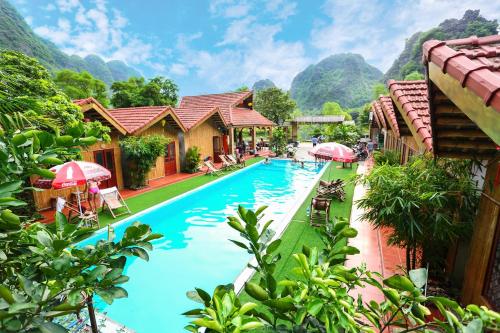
(195, 250)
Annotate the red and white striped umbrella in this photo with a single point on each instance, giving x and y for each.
(74, 173)
(334, 151)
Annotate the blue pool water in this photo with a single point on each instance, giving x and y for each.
(195, 250)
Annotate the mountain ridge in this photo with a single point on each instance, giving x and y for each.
(17, 35)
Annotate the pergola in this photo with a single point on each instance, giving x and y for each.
(313, 120)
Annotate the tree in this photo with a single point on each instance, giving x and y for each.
(242, 88)
(334, 109)
(414, 76)
(275, 104)
(81, 85)
(379, 89)
(136, 92)
(345, 134)
(42, 274)
(318, 298)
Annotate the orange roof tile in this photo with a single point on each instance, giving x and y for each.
(378, 114)
(193, 116)
(228, 105)
(473, 61)
(134, 119)
(102, 110)
(388, 110)
(412, 96)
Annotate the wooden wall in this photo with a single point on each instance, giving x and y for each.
(202, 137)
(43, 198)
(486, 226)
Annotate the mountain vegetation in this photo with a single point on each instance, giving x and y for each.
(263, 84)
(410, 60)
(16, 34)
(344, 78)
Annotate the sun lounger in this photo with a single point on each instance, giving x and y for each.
(112, 199)
(235, 161)
(211, 169)
(319, 205)
(226, 163)
(86, 218)
(334, 189)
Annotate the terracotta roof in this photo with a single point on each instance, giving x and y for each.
(94, 104)
(388, 110)
(193, 116)
(135, 119)
(378, 114)
(473, 61)
(228, 105)
(84, 101)
(412, 96)
(242, 116)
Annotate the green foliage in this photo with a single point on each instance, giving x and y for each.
(242, 88)
(279, 141)
(23, 81)
(472, 23)
(81, 85)
(263, 84)
(427, 204)
(379, 89)
(414, 76)
(136, 92)
(390, 157)
(193, 159)
(345, 134)
(275, 104)
(334, 109)
(317, 298)
(17, 35)
(42, 274)
(141, 153)
(345, 78)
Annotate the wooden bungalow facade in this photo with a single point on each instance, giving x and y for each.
(463, 79)
(209, 122)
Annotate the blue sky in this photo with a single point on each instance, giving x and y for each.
(218, 45)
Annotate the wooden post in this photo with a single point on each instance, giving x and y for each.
(231, 140)
(295, 130)
(254, 138)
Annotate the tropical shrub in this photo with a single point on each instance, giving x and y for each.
(140, 154)
(279, 141)
(319, 297)
(345, 134)
(42, 274)
(193, 159)
(391, 157)
(426, 204)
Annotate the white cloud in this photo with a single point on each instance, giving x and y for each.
(179, 69)
(281, 9)
(50, 7)
(97, 30)
(251, 52)
(29, 20)
(377, 30)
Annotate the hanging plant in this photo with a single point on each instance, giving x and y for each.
(139, 156)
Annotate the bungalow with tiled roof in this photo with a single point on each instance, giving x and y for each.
(209, 122)
(463, 78)
(377, 126)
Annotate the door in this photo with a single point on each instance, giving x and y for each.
(106, 158)
(170, 161)
(217, 148)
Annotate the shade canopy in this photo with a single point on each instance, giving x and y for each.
(333, 151)
(74, 173)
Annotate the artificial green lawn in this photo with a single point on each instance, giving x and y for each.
(154, 197)
(299, 232)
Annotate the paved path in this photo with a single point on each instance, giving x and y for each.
(372, 244)
(302, 150)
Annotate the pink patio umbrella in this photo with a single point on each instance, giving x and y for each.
(334, 151)
(74, 173)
